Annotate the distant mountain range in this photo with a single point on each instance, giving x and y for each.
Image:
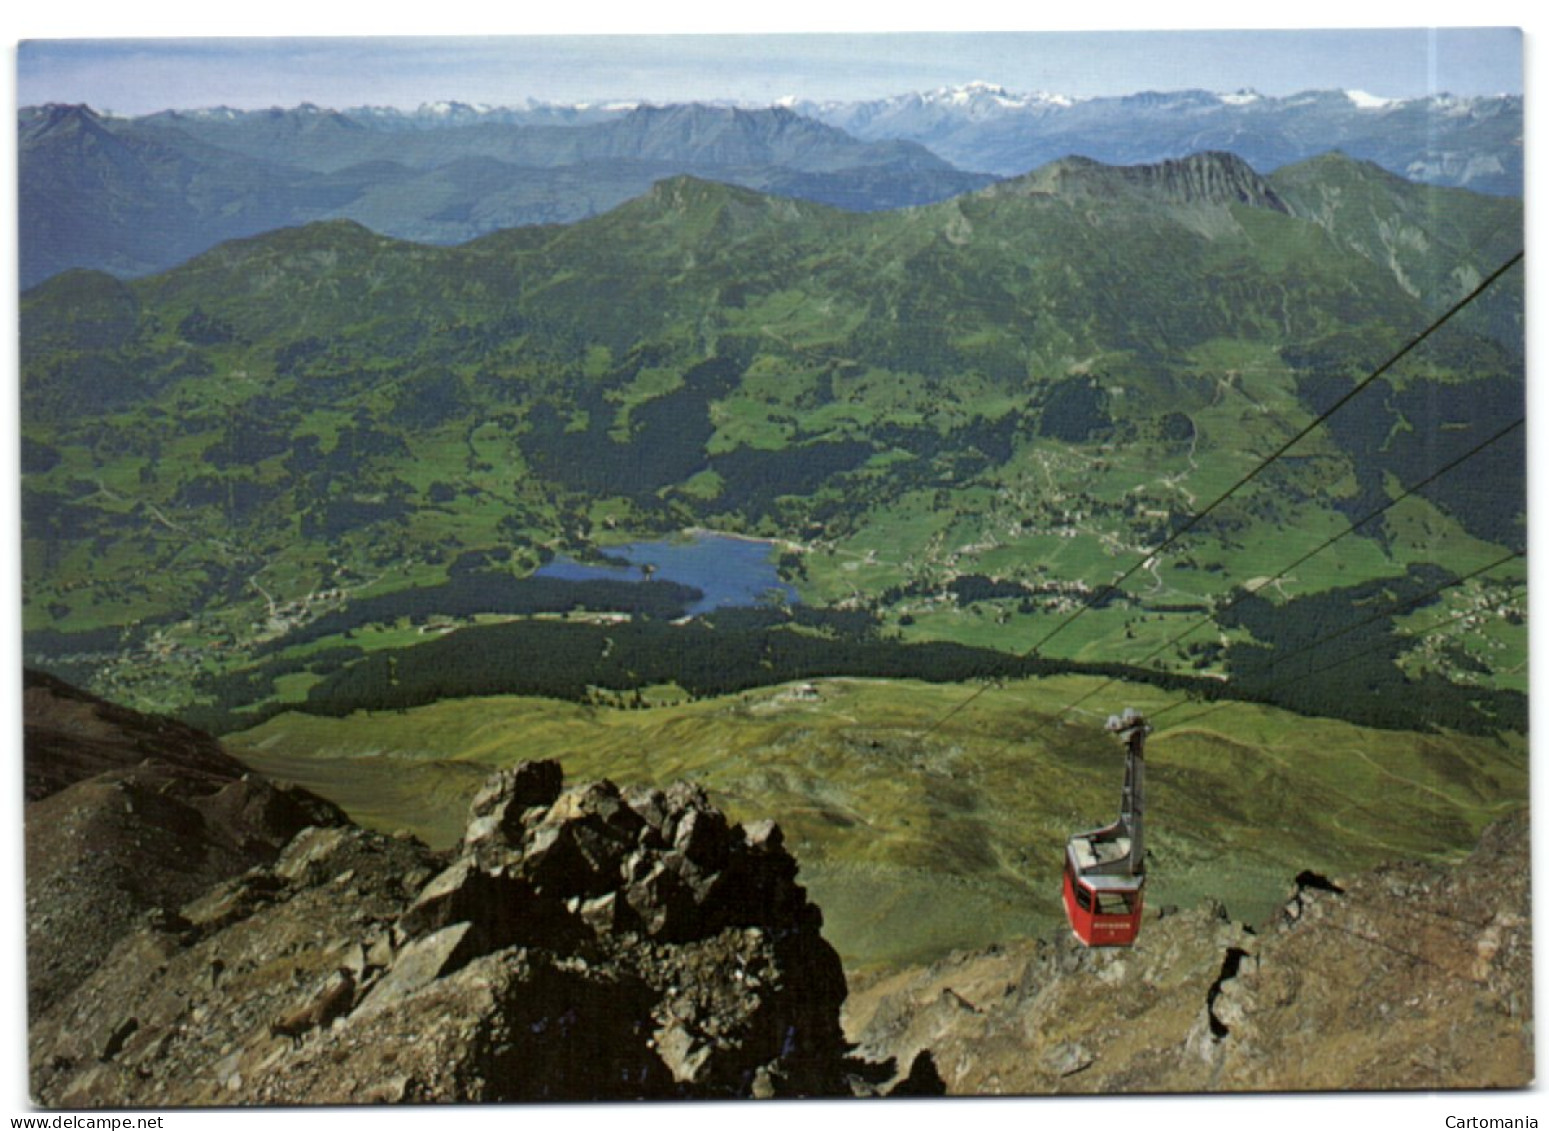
(132, 196)
(1439, 139)
(136, 195)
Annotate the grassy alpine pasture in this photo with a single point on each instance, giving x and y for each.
(918, 835)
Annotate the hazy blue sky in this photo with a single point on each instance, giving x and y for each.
(142, 75)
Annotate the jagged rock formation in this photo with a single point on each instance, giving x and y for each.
(1412, 976)
(581, 943)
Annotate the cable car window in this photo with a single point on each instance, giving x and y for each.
(1115, 903)
(1083, 898)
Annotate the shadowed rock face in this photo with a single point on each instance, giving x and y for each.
(1201, 178)
(581, 943)
(71, 736)
(131, 815)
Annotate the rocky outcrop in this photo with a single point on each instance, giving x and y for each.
(1211, 178)
(581, 943)
(1412, 976)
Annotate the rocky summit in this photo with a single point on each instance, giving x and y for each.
(580, 943)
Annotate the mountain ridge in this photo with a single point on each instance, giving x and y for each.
(193, 181)
(580, 943)
(1207, 178)
(399, 172)
(1470, 141)
(128, 816)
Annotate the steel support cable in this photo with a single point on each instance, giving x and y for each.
(1413, 635)
(1312, 645)
(1399, 606)
(1274, 456)
(1244, 594)
(1356, 390)
(1151, 716)
(1354, 802)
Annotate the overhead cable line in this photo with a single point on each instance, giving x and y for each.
(1244, 594)
(1359, 387)
(1429, 630)
(1417, 634)
(1408, 602)
(1355, 391)
(1266, 690)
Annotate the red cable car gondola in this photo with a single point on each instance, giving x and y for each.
(1105, 869)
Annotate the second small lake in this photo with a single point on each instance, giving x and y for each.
(728, 570)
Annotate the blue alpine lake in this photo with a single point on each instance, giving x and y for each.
(728, 570)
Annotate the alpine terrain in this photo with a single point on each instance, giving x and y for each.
(608, 602)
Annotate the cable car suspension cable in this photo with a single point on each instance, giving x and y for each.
(1199, 516)
(1243, 594)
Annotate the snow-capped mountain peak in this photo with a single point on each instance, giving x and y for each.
(974, 92)
(452, 109)
(1364, 101)
(983, 95)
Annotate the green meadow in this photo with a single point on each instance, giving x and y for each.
(929, 817)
